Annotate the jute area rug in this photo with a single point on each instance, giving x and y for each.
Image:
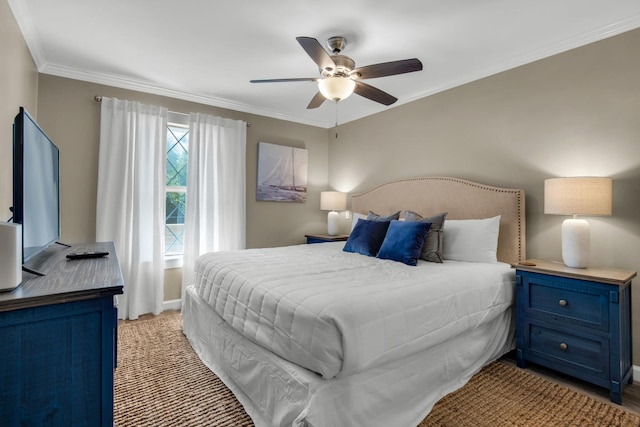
(160, 381)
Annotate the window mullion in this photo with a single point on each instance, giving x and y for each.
(177, 156)
(174, 189)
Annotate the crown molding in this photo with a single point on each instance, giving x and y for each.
(556, 48)
(23, 18)
(140, 86)
(22, 15)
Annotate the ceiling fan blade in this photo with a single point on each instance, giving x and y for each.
(302, 79)
(317, 53)
(387, 69)
(374, 94)
(316, 101)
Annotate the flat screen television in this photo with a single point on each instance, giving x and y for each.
(36, 186)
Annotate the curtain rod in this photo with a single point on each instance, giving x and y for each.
(98, 98)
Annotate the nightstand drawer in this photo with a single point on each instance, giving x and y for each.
(567, 302)
(586, 353)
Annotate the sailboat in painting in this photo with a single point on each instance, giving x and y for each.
(282, 173)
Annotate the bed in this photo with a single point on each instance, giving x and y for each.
(311, 335)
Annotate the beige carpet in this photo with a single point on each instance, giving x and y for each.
(160, 381)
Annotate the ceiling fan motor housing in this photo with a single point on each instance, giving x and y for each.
(336, 44)
(344, 65)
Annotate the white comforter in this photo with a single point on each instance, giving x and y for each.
(339, 313)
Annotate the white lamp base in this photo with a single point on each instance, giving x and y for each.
(575, 243)
(332, 223)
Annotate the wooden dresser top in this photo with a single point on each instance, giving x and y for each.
(66, 280)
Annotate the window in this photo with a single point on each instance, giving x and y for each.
(176, 184)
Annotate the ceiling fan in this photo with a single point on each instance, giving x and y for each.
(339, 77)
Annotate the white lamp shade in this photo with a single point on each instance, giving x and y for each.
(336, 88)
(578, 196)
(333, 201)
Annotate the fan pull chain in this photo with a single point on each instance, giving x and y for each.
(336, 126)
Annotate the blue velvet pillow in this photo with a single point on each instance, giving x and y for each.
(403, 241)
(366, 237)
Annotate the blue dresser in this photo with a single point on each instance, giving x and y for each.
(576, 321)
(58, 335)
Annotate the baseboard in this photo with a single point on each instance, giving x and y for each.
(636, 373)
(175, 304)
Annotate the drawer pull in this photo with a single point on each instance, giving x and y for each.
(563, 302)
(563, 346)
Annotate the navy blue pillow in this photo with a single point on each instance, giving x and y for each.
(366, 237)
(403, 241)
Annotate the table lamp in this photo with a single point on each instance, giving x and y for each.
(333, 201)
(577, 196)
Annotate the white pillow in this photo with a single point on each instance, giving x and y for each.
(356, 217)
(471, 240)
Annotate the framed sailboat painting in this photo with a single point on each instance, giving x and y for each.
(282, 173)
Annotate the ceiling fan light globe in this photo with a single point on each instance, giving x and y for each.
(336, 88)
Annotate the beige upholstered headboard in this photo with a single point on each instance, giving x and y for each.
(461, 199)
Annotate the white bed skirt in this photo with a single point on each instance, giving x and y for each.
(275, 392)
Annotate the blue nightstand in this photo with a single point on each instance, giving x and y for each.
(576, 321)
(323, 238)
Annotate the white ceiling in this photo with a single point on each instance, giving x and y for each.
(207, 51)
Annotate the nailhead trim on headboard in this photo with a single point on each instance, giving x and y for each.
(463, 199)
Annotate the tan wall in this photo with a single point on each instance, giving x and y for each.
(71, 117)
(18, 87)
(577, 113)
(573, 114)
(172, 284)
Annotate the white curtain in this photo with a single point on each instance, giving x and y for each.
(131, 199)
(215, 218)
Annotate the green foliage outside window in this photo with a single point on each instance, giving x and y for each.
(177, 158)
